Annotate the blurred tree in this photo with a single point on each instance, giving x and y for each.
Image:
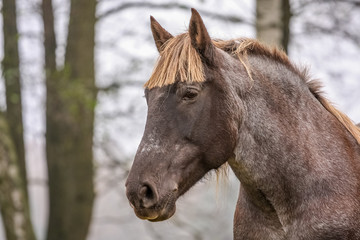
(13, 206)
(13, 181)
(70, 103)
(272, 22)
(10, 65)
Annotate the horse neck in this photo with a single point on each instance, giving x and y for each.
(288, 142)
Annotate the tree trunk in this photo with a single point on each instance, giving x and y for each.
(71, 97)
(13, 206)
(272, 22)
(49, 39)
(11, 73)
(13, 181)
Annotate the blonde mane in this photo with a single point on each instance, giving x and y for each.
(315, 88)
(179, 61)
(345, 120)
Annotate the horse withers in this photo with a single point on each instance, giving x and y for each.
(237, 101)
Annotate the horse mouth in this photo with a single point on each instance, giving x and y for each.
(156, 214)
(164, 215)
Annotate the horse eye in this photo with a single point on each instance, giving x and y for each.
(190, 94)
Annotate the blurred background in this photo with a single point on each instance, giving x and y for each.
(73, 112)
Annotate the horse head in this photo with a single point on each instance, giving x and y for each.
(191, 127)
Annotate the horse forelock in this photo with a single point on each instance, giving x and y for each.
(178, 61)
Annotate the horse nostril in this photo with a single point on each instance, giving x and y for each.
(146, 192)
(148, 195)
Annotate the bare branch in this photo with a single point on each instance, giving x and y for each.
(353, 37)
(128, 5)
(308, 3)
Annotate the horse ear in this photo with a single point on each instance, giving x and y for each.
(200, 38)
(159, 33)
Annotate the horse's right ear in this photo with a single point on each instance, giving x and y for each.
(159, 33)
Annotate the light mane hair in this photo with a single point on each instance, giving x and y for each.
(179, 61)
(315, 88)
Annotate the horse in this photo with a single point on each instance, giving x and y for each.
(241, 103)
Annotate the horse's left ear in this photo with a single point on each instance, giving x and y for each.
(200, 38)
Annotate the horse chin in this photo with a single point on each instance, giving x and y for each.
(153, 215)
(164, 215)
(146, 214)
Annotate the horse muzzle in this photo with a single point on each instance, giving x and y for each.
(148, 204)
